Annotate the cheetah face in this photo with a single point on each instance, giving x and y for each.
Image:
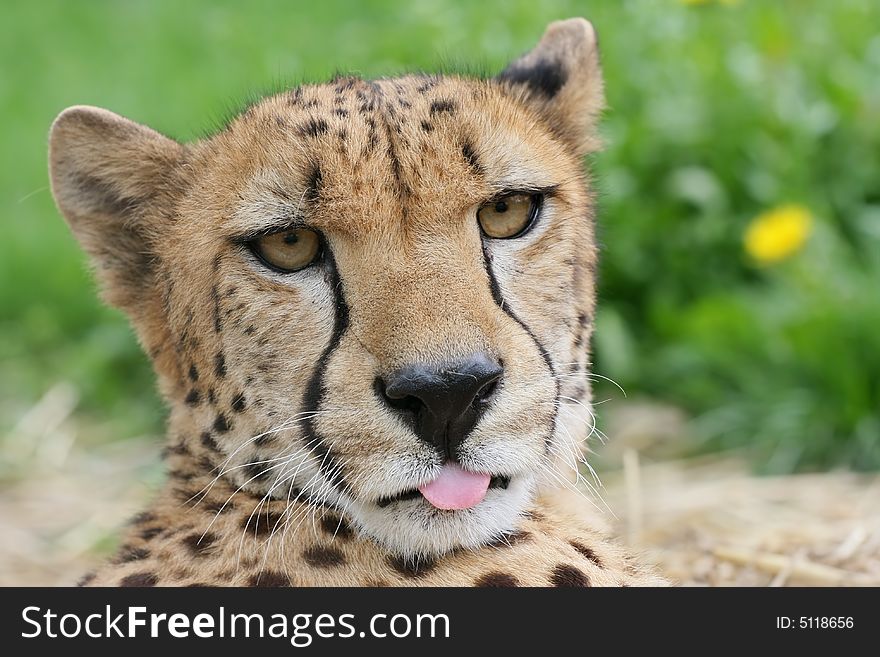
(375, 295)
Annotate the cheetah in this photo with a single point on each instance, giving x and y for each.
(368, 305)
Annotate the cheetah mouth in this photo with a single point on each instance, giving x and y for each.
(497, 481)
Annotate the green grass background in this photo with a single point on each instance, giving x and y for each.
(717, 112)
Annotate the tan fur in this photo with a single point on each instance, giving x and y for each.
(392, 173)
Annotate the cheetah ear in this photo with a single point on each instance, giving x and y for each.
(562, 78)
(112, 180)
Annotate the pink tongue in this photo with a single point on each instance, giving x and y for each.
(455, 488)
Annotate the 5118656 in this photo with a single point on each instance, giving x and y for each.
(814, 622)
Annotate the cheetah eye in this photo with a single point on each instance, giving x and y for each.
(288, 250)
(509, 216)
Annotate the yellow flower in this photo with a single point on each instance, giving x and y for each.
(778, 233)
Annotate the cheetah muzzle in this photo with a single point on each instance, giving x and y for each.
(367, 298)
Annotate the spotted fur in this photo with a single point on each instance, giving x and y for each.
(281, 455)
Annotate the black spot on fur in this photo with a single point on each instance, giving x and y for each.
(181, 475)
(294, 98)
(178, 448)
(256, 470)
(336, 526)
(426, 85)
(442, 105)
(413, 568)
(263, 524)
(496, 580)
(544, 77)
(139, 580)
(564, 575)
(150, 533)
(509, 539)
(212, 398)
(215, 303)
(313, 183)
(426, 126)
(193, 373)
(264, 438)
(187, 495)
(142, 518)
(221, 424)
(198, 545)
(323, 557)
(238, 403)
(269, 579)
(470, 156)
(220, 365)
(129, 553)
(192, 398)
(250, 330)
(340, 111)
(209, 442)
(586, 552)
(312, 128)
(86, 579)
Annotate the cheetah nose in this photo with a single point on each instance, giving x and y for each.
(444, 402)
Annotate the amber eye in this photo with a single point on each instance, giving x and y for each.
(288, 250)
(509, 216)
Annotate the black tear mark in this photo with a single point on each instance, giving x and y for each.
(545, 77)
(442, 105)
(499, 300)
(315, 388)
(312, 128)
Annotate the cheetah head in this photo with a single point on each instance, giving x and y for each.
(376, 295)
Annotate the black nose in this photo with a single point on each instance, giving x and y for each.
(445, 402)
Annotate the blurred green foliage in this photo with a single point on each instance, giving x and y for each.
(717, 112)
